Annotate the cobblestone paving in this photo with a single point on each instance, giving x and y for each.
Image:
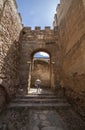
(14, 119)
(56, 120)
(23, 118)
(46, 120)
(72, 119)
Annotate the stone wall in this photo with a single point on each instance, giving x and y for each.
(65, 44)
(71, 23)
(32, 41)
(10, 27)
(41, 70)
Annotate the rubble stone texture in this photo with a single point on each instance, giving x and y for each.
(10, 27)
(71, 23)
(65, 44)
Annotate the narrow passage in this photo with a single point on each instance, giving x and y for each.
(40, 111)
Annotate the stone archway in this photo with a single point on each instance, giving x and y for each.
(41, 69)
(32, 41)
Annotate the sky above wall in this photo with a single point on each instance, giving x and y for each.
(41, 55)
(37, 12)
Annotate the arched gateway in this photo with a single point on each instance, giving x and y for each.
(32, 41)
(41, 68)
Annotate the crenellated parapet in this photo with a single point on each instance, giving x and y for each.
(46, 34)
(38, 29)
(62, 9)
(18, 14)
(55, 22)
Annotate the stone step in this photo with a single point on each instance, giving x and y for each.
(39, 105)
(47, 94)
(38, 100)
(35, 96)
(41, 93)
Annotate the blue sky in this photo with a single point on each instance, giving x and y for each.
(41, 55)
(37, 12)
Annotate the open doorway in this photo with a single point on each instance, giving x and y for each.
(41, 69)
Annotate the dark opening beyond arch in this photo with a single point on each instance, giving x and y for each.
(4, 93)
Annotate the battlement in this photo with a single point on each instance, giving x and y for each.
(58, 7)
(63, 7)
(38, 28)
(48, 28)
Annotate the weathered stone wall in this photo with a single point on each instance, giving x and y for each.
(71, 23)
(10, 27)
(41, 70)
(32, 41)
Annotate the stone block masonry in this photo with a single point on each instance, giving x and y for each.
(65, 45)
(71, 23)
(10, 28)
(32, 41)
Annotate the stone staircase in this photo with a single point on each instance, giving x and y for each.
(40, 111)
(45, 100)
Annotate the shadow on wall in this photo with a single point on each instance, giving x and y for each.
(4, 97)
(25, 79)
(24, 68)
(75, 92)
